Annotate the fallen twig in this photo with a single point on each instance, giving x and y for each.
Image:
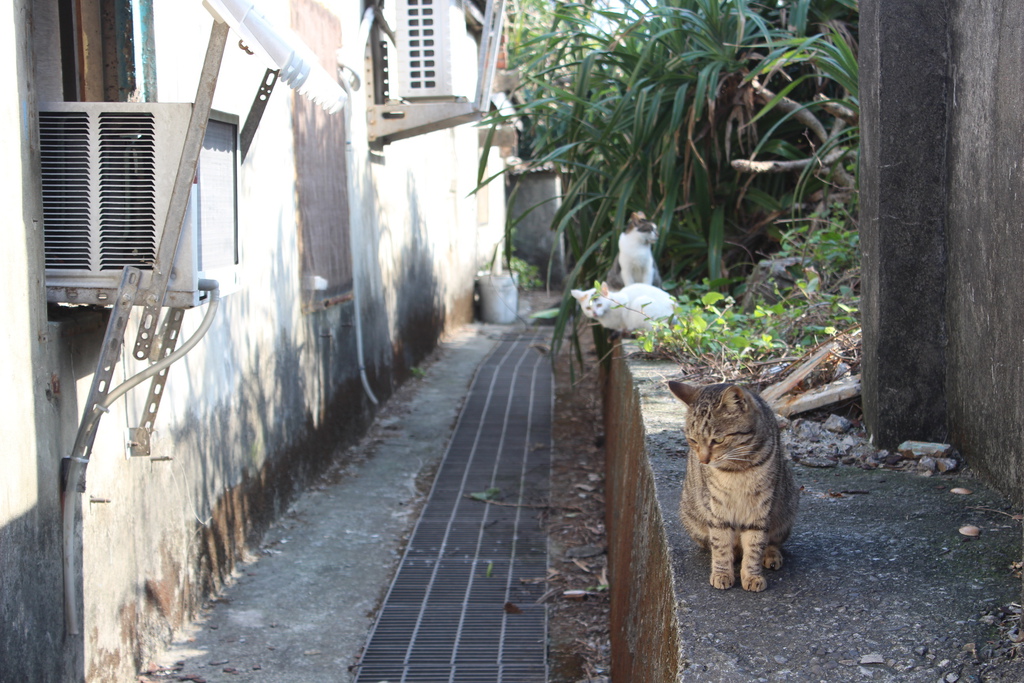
(980, 507)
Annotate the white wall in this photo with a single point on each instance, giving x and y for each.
(262, 401)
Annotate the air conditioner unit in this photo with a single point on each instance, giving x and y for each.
(107, 173)
(428, 38)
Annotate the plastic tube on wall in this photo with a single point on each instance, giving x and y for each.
(281, 49)
(355, 234)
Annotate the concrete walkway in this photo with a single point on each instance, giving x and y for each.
(878, 583)
(301, 611)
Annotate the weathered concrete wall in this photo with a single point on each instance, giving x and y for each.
(645, 637)
(941, 223)
(265, 401)
(32, 642)
(985, 205)
(534, 203)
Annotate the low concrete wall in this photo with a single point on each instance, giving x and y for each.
(645, 636)
(535, 241)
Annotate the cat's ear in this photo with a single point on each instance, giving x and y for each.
(734, 399)
(604, 289)
(687, 393)
(578, 294)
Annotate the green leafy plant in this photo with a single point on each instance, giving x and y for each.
(527, 274)
(822, 301)
(712, 324)
(716, 118)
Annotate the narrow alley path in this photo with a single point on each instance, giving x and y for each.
(463, 606)
(302, 609)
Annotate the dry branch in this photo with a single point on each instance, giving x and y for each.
(834, 392)
(783, 166)
(800, 113)
(839, 111)
(776, 391)
(806, 117)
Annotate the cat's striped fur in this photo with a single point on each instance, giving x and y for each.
(739, 498)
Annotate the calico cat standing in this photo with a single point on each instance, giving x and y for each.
(635, 261)
(739, 498)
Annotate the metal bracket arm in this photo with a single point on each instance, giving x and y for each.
(181, 191)
(252, 121)
(139, 441)
(110, 353)
(392, 122)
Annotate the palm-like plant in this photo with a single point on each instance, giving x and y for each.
(714, 117)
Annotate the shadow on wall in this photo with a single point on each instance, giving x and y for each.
(271, 435)
(33, 643)
(268, 436)
(420, 308)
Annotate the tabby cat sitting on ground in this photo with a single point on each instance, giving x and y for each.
(739, 498)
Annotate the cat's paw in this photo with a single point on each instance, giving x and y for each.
(772, 558)
(753, 583)
(722, 580)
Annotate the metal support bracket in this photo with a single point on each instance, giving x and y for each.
(110, 353)
(181, 191)
(252, 121)
(139, 438)
(390, 122)
(138, 442)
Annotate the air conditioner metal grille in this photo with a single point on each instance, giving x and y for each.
(423, 33)
(426, 45)
(64, 151)
(127, 186)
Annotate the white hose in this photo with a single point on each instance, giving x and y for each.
(78, 462)
(354, 234)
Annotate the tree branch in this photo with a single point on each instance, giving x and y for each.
(839, 111)
(800, 113)
(783, 166)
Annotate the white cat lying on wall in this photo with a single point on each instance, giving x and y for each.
(631, 308)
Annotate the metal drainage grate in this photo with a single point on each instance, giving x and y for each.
(462, 607)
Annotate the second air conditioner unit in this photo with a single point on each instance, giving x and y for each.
(107, 173)
(429, 33)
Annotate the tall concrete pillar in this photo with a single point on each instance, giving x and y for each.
(904, 120)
